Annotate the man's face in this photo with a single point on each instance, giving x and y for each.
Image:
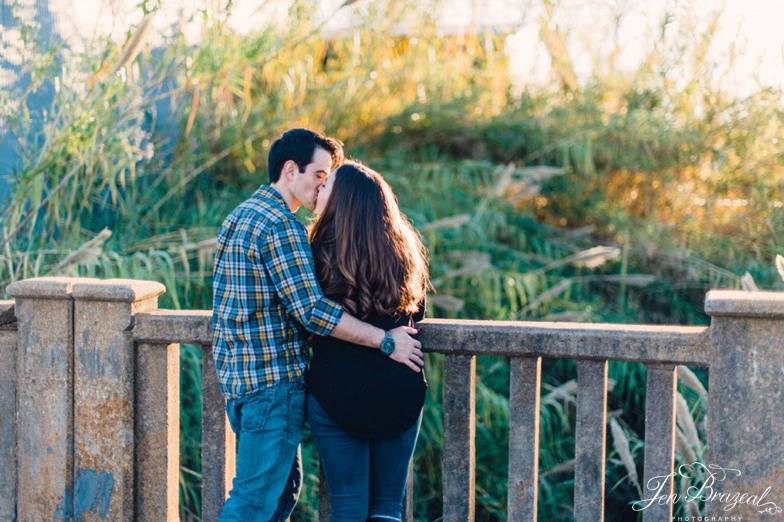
(305, 185)
(323, 194)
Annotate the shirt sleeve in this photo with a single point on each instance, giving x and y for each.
(287, 258)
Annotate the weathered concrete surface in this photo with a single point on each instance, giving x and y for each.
(525, 379)
(746, 383)
(44, 287)
(118, 290)
(157, 432)
(459, 464)
(168, 326)
(44, 311)
(740, 303)
(662, 382)
(591, 436)
(217, 442)
(625, 342)
(8, 356)
(645, 343)
(104, 394)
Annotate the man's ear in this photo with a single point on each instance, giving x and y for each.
(289, 169)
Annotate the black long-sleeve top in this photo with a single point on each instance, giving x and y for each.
(365, 392)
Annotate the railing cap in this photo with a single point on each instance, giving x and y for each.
(45, 287)
(741, 303)
(124, 290)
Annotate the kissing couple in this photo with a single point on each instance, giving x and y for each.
(351, 287)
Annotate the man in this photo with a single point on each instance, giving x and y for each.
(266, 302)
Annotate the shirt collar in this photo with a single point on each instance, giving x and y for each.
(270, 193)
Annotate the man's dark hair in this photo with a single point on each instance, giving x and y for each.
(298, 145)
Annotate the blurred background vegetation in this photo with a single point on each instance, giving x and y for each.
(620, 198)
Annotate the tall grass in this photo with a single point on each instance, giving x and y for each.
(622, 200)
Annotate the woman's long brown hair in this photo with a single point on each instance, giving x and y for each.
(368, 256)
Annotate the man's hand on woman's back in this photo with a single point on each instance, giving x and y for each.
(408, 350)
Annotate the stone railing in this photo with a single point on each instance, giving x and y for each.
(90, 372)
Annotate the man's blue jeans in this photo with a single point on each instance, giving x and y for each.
(365, 479)
(268, 476)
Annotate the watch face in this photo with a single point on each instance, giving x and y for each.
(387, 345)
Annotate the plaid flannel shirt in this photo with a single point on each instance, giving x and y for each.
(266, 298)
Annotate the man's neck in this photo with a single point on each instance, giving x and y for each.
(290, 200)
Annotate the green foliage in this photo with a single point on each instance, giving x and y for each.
(621, 201)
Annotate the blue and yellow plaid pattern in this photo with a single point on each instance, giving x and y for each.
(266, 298)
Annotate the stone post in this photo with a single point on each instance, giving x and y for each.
(746, 411)
(9, 338)
(104, 359)
(44, 311)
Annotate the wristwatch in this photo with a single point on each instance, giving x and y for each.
(387, 344)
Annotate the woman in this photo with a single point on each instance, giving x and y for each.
(364, 408)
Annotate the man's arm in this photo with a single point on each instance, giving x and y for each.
(287, 258)
(285, 255)
(408, 351)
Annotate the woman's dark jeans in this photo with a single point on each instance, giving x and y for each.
(365, 479)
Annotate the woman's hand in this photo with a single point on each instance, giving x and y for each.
(408, 350)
